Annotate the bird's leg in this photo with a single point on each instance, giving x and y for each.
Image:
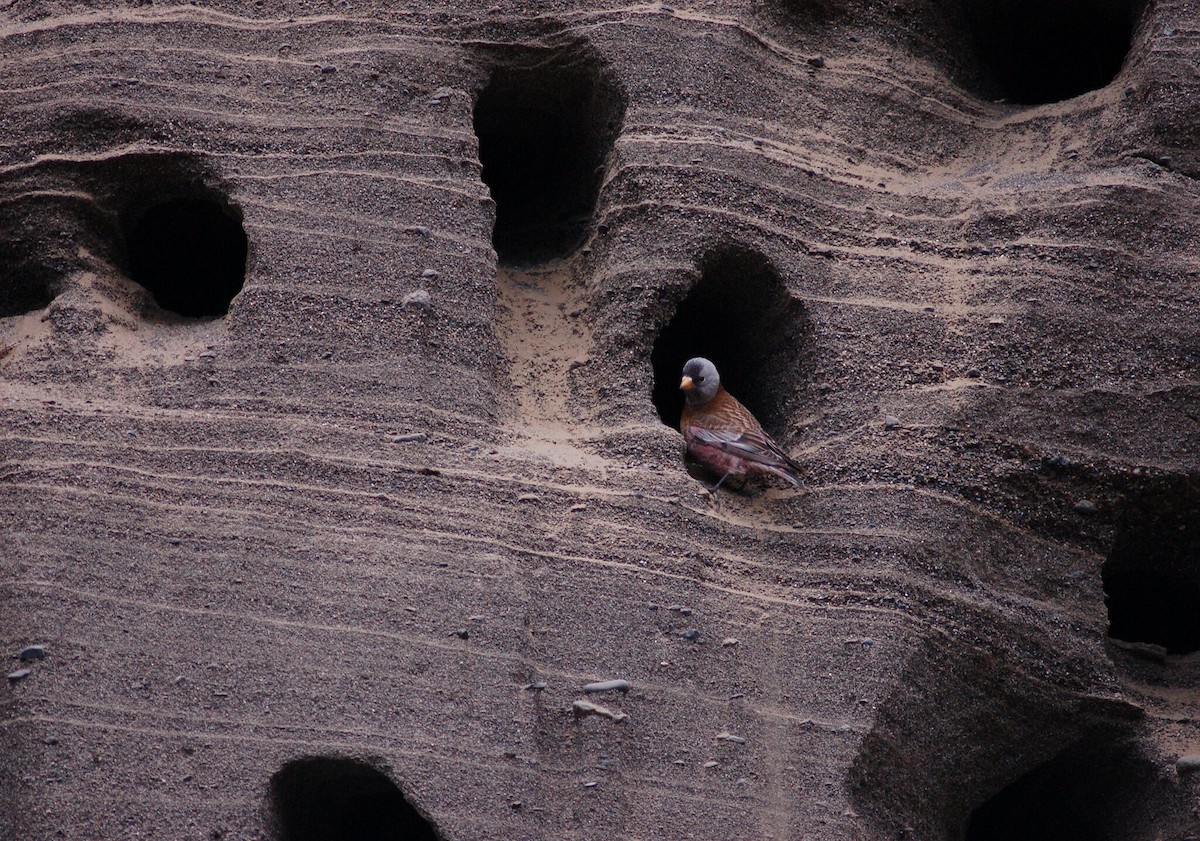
(713, 488)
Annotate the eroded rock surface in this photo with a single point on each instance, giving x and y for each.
(325, 516)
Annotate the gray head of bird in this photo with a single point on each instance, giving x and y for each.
(700, 381)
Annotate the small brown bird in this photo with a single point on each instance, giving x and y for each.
(722, 435)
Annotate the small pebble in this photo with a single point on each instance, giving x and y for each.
(1085, 506)
(18, 675)
(32, 652)
(328, 68)
(410, 438)
(579, 506)
(891, 422)
(691, 634)
(528, 498)
(607, 686)
(729, 737)
(590, 785)
(586, 708)
(817, 61)
(537, 686)
(1188, 764)
(419, 298)
(710, 764)
(729, 641)
(429, 274)
(974, 373)
(996, 321)
(462, 633)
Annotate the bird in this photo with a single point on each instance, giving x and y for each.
(722, 435)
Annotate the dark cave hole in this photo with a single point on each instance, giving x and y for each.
(35, 237)
(1093, 791)
(1039, 51)
(339, 799)
(190, 253)
(740, 315)
(546, 122)
(1152, 575)
(25, 285)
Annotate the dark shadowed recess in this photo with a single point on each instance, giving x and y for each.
(740, 315)
(190, 253)
(1152, 575)
(972, 744)
(1093, 791)
(1039, 51)
(546, 122)
(339, 799)
(26, 283)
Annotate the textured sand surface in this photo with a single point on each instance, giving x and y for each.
(399, 486)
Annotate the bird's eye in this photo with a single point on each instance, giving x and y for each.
(699, 379)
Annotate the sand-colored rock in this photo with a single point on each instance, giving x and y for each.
(398, 499)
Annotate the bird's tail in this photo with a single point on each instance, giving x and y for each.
(790, 473)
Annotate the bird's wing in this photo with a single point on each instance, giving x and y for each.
(751, 444)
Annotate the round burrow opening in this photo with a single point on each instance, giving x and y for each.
(546, 122)
(740, 315)
(190, 253)
(340, 799)
(1096, 790)
(1039, 51)
(1152, 575)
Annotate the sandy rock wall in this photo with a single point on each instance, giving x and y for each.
(338, 354)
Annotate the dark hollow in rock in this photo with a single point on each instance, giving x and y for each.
(1093, 791)
(190, 253)
(339, 799)
(740, 315)
(546, 122)
(33, 248)
(25, 283)
(1152, 576)
(1039, 51)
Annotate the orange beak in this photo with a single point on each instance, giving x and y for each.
(686, 384)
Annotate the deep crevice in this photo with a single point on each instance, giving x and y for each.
(1039, 51)
(546, 122)
(1093, 791)
(190, 253)
(339, 799)
(740, 315)
(1152, 575)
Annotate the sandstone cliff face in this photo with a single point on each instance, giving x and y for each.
(338, 353)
